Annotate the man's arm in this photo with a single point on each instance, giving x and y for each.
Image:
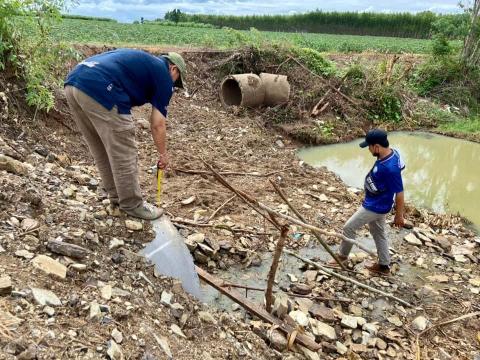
(399, 209)
(158, 126)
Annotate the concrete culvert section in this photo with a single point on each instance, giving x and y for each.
(277, 88)
(245, 90)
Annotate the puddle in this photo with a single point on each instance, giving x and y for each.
(441, 173)
(257, 276)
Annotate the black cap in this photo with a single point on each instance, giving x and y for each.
(375, 136)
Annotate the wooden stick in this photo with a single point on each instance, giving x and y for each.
(256, 310)
(463, 317)
(249, 200)
(252, 288)
(320, 298)
(177, 220)
(230, 173)
(417, 340)
(328, 84)
(273, 268)
(345, 278)
(317, 235)
(220, 208)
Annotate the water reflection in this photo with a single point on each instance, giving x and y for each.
(442, 173)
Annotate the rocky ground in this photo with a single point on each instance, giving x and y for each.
(73, 286)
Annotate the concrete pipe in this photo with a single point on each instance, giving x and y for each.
(277, 88)
(242, 90)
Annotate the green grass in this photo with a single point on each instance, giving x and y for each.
(112, 33)
(463, 125)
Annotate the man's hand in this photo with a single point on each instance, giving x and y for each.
(163, 161)
(399, 209)
(399, 220)
(159, 129)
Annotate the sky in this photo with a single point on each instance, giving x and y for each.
(130, 10)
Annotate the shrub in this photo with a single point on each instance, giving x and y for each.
(26, 47)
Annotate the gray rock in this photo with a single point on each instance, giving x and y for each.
(370, 328)
(29, 354)
(197, 238)
(117, 336)
(200, 257)
(326, 330)
(355, 310)
(177, 331)
(205, 316)
(166, 297)
(299, 317)
(45, 297)
(106, 292)
(380, 344)
(49, 310)
(349, 321)
(95, 311)
(5, 285)
(278, 341)
(115, 243)
(301, 289)
(50, 266)
(357, 336)
(419, 323)
(323, 313)
(114, 351)
(281, 305)
(207, 250)
(412, 239)
(133, 225)
(309, 354)
(14, 166)
(341, 349)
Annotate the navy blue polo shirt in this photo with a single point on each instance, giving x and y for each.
(382, 183)
(125, 78)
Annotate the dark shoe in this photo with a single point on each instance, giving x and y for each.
(342, 258)
(379, 269)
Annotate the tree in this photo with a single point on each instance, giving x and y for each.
(471, 45)
(175, 15)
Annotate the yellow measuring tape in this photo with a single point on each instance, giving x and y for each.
(159, 185)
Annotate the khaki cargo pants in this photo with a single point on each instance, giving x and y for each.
(111, 140)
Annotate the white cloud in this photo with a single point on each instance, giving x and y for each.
(129, 10)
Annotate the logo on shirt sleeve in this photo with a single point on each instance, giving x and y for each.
(90, 64)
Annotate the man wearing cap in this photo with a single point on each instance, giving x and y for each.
(383, 185)
(101, 91)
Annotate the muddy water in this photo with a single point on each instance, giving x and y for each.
(256, 276)
(441, 173)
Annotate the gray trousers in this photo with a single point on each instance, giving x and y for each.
(376, 224)
(110, 137)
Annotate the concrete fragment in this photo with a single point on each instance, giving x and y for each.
(117, 336)
(114, 351)
(133, 225)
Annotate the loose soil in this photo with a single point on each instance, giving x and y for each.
(62, 193)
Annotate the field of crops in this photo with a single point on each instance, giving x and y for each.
(112, 33)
